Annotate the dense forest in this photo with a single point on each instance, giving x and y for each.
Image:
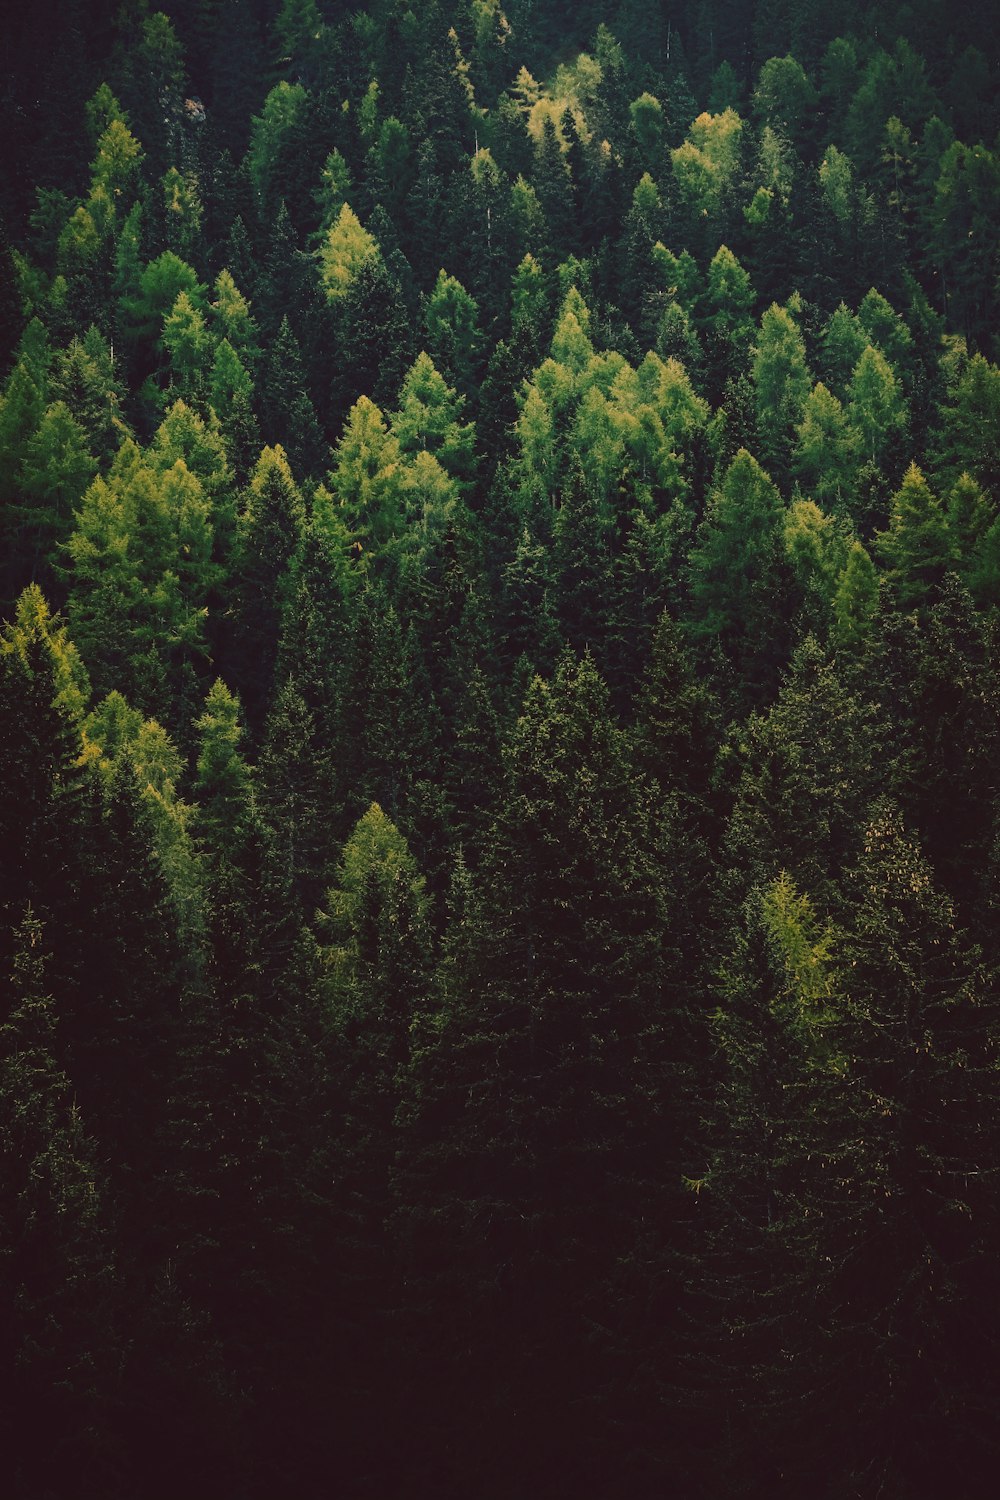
(500, 795)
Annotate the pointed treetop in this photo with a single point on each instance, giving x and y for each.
(348, 246)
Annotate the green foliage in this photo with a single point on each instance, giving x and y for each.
(781, 379)
(706, 164)
(737, 571)
(43, 691)
(428, 420)
(100, 110)
(837, 184)
(784, 95)
(183, 209)
(969, 438)
(451, 323)
(334, 189)
(729, 295)
(367, 475)
(160, 285)
(917, 546)
(816, 549)
(647, 126)
(55, 471)
(519, 530)
(843, 343)
(186, 342)
(268, 529)
(116, 161)
(886, 330)
(232, 318)
(964, 219)
(297, 25)
(141, 572)
(282, 112)
(807, 776)
(855, 602)
(84, 376)
(876, 409)
(344, 251)
(825, 458)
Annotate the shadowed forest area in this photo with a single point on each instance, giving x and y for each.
(499, 756)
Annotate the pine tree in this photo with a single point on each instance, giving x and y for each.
(451, 322)
(519, 1132)
(970, 516)
(83, 376)
(918, 1030)
(582, 565)
(187, 344)
(367, 477)
(44, 786)
(807, 776)
(953, 746)
(843, 343)
(160, 284)
(377, 341)
(917, 546)
(782, 382)
(876, 410)
(293, 801)
(855, 600)
(55, 471)
(825, 454)
(288, 415)
(970, 426)
(738, 575)
(61, 1294)
(268, 533)
(762, 1360)
(225, 833)
(347, 248)
(429, 420)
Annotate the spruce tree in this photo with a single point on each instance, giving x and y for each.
(267, 535)
(738, 576)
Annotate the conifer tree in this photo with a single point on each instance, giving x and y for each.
(451, 321)
(429, 420)
(919, 1029)
(970, 516)
(376, 331)
(367, 476)
(842, 345)
(808, 775)
(44, 786)
(970, 425)
(781, 380)
(917, 546)
(267, 535)
(539, 1043)
(738, 572)
(60, 1277)
(83, 376)
(876, 410)
(855, 599)
(287, 411)
(225, 831)
(55, 471)
(348, 246)
(582, 564)
(293, 800)
(825, 453)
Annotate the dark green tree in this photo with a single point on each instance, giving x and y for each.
(738, 577)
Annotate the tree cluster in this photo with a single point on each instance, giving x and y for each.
(499, 708)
